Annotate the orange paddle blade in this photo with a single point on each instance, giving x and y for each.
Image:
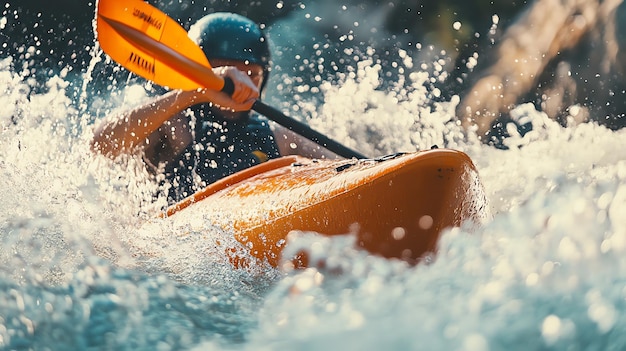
(152, 45)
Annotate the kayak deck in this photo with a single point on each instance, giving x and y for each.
(396, 205)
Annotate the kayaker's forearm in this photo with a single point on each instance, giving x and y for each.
(125, 132)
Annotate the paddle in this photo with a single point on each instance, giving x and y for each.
(152, 45)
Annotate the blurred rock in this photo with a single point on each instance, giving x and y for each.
(558, 54)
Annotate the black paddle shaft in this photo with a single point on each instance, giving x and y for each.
(295, 126)
(305, 131)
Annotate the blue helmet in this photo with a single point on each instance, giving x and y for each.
(224, 35)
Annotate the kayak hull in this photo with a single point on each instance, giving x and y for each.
(397, 206)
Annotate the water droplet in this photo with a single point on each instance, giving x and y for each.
(398, 233)
(426, 222)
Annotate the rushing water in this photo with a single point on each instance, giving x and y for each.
(548, 271)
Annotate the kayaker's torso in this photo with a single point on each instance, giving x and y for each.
(198, 148)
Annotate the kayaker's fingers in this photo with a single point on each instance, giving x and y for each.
(245, 92)
(245, 89)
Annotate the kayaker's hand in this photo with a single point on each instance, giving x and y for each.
(245, 90)
(244, 95)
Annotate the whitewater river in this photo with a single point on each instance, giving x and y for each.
(546, 271)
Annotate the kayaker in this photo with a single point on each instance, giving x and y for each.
(189, 139)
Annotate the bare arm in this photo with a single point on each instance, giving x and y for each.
(123, 133)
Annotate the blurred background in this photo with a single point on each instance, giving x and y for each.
(64, 26)
(59, 34)
(570, 57)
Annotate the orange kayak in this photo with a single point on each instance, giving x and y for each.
(397, 205)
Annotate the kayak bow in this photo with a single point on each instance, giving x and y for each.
(397, 206)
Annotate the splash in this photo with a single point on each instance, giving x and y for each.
(546, 272)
